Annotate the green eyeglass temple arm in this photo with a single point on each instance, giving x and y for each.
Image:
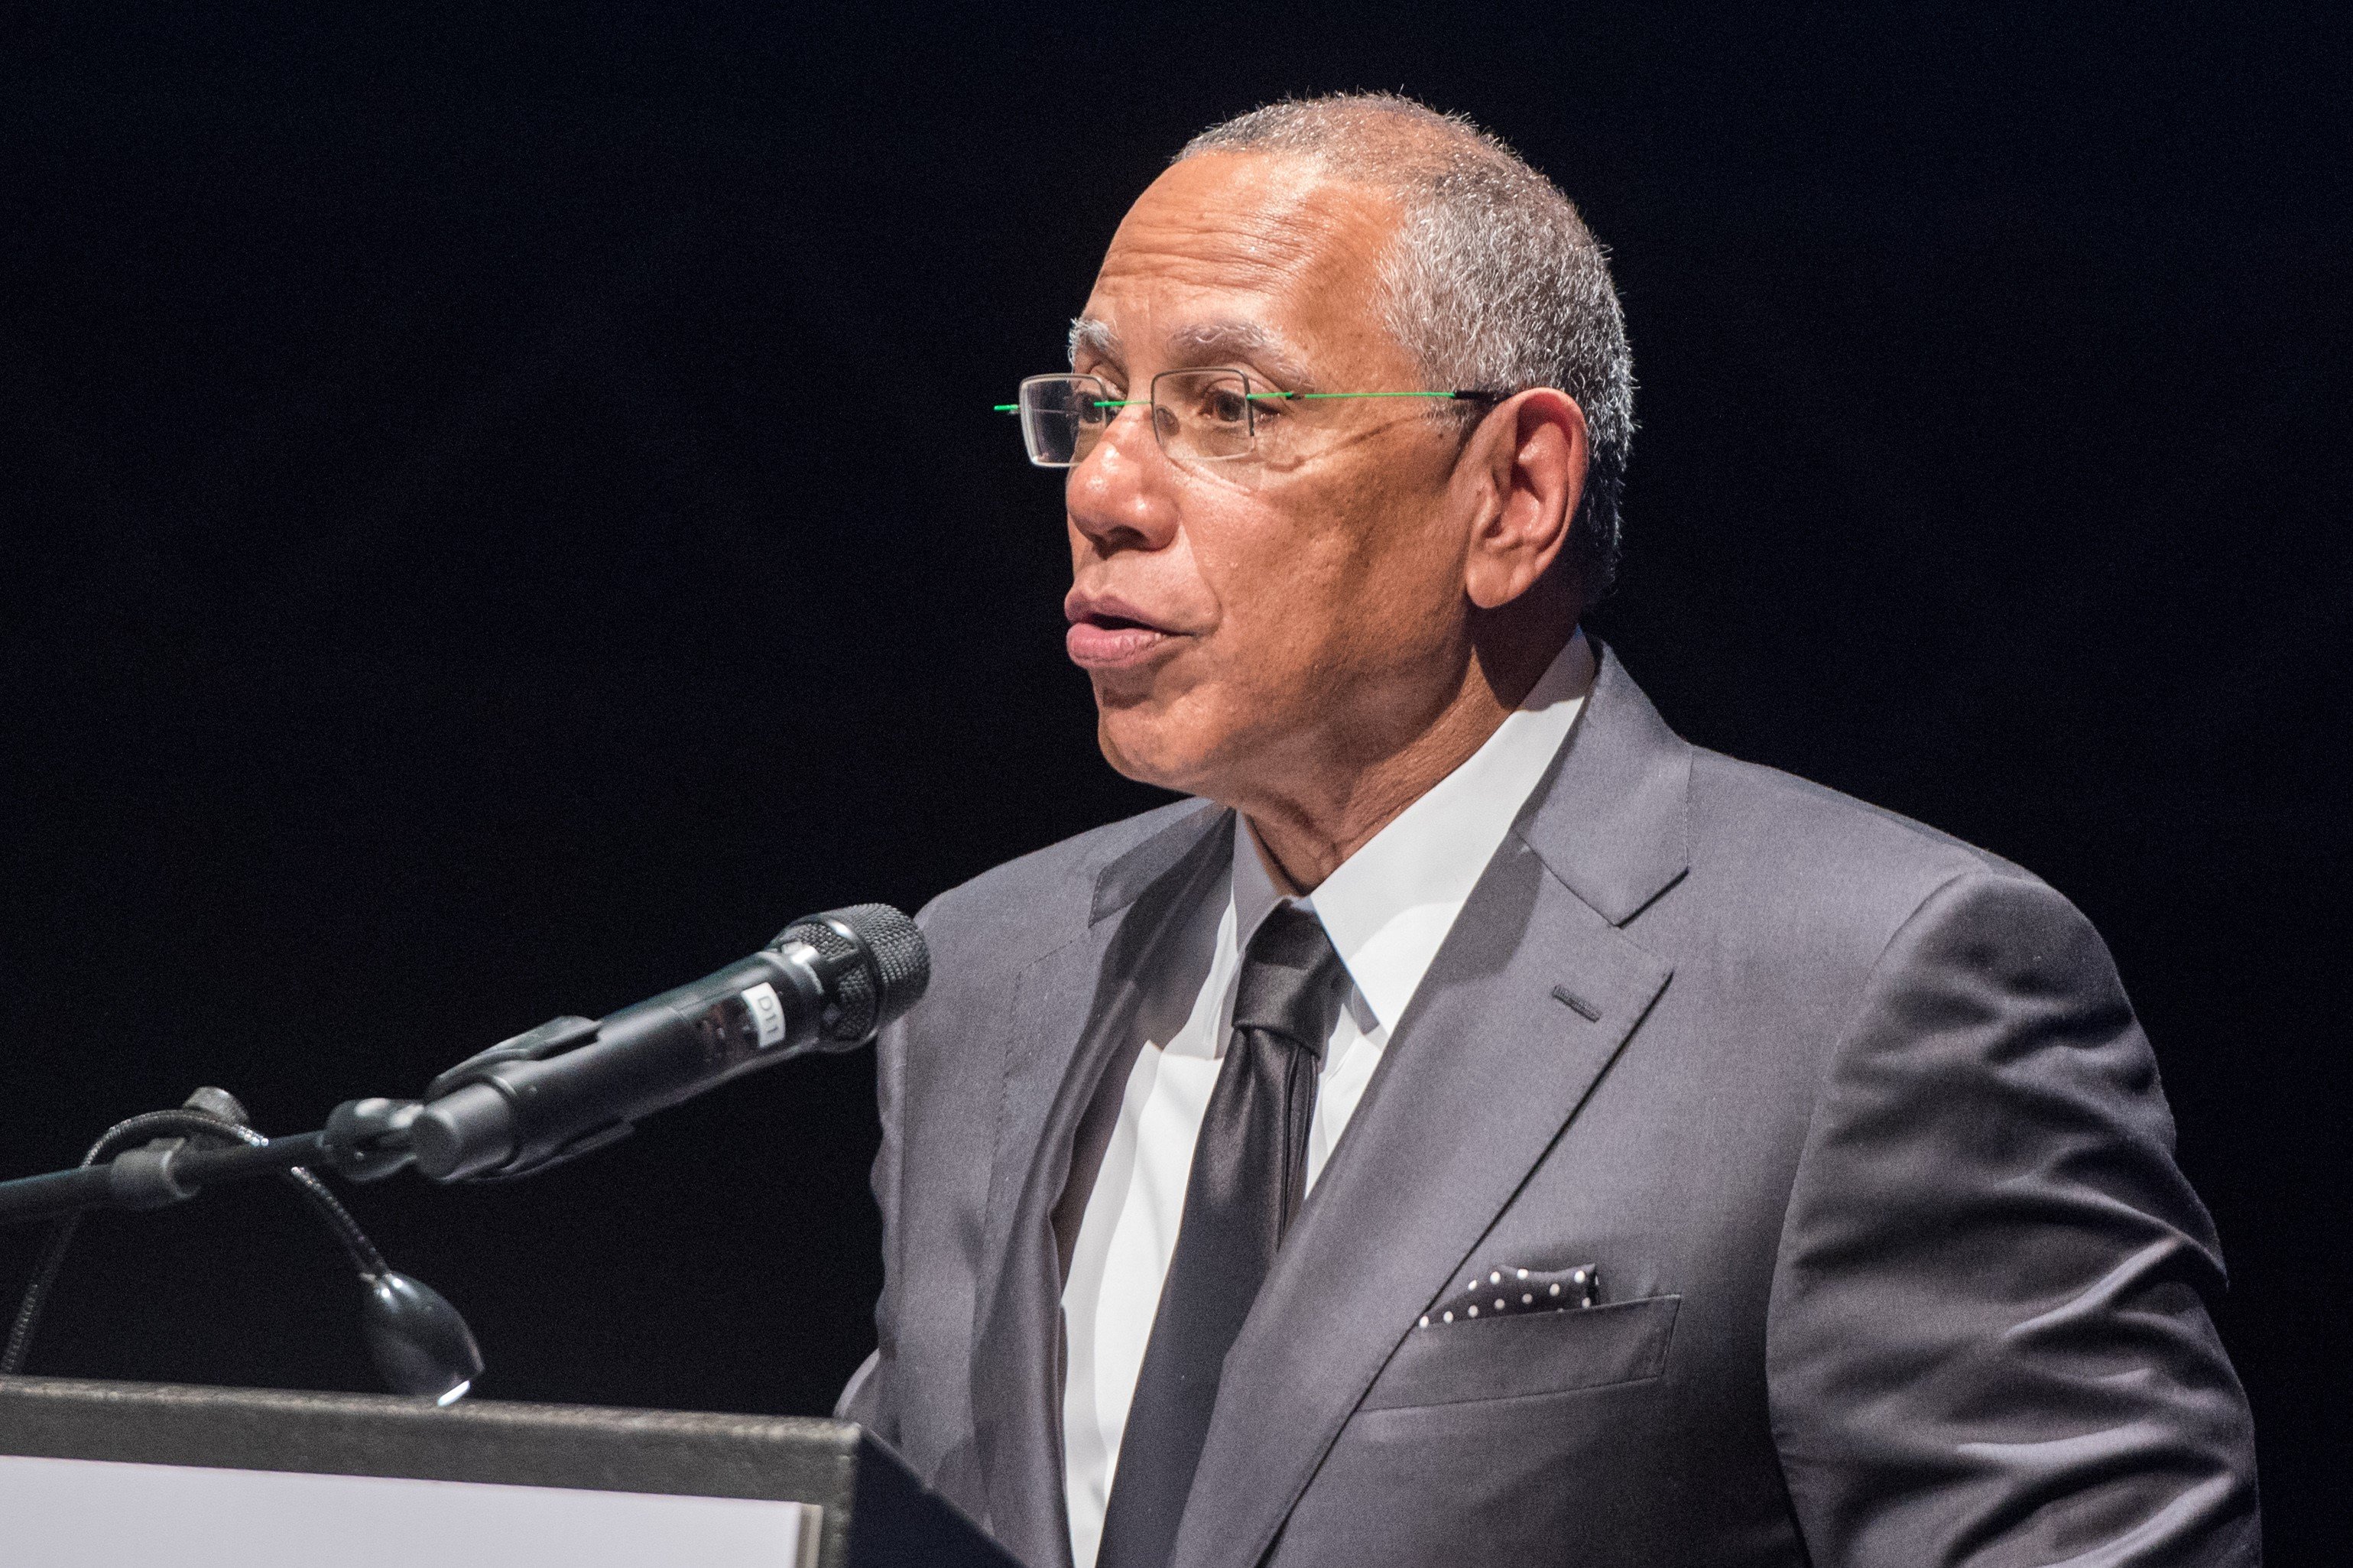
(1303, 396)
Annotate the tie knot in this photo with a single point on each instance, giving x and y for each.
(1287, 981)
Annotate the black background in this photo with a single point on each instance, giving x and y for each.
(502, 512)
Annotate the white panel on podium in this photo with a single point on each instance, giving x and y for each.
(65, 1513)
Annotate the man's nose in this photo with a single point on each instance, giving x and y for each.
(1119, 494)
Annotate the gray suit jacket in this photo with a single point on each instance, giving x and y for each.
(1855, 1120)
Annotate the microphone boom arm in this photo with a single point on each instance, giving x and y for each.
(151, 1179)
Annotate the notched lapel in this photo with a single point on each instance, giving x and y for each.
(1069, 1012)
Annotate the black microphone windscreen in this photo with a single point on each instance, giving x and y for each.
(901, 971)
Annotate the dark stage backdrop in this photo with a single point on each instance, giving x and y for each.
(503, 512)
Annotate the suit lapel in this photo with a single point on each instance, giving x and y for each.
(1483, 1074)
(1070, 1012)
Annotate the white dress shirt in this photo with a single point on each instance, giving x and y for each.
(1387, 908)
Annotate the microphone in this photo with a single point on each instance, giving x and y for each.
(830, 983)
(418, 1342)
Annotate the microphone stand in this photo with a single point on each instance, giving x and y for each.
(144, 1179)
(420, 1343)
(363, 1140)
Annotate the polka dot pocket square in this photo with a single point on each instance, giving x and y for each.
(1503, 1290)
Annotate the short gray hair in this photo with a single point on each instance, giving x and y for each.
(1495, 284)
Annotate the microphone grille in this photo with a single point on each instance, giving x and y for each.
(870, 994)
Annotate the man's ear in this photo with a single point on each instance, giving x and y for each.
(1529, 456)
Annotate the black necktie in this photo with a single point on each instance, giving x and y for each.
(1249, 1167)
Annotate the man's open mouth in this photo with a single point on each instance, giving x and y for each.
(1100, 641)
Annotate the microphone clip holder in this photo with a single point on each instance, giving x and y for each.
(366, 1140)
(481, 1071)
(531, 1046)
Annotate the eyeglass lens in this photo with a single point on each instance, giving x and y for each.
(1198, 415)
(1062, 417)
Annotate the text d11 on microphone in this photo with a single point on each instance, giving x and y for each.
(828, 983)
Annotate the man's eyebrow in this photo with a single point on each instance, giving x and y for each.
(1221, 342)
(1201, 344)
(1093, 337)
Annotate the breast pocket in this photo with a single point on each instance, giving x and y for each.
(1543, 1352)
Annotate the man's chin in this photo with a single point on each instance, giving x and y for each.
(1150, 747)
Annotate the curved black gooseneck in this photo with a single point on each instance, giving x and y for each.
(419, 1342)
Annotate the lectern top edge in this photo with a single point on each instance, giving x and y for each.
(589, 1447)
(872, 1509)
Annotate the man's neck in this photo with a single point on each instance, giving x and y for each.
(1308, 834)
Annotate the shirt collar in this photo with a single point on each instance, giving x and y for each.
(1388, 906)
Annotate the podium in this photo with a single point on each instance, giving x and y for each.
(112, 1472)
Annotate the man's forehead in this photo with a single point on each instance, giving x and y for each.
(1243, 217)
(1233, 257)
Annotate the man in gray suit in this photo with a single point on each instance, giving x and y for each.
(1478, 1125)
